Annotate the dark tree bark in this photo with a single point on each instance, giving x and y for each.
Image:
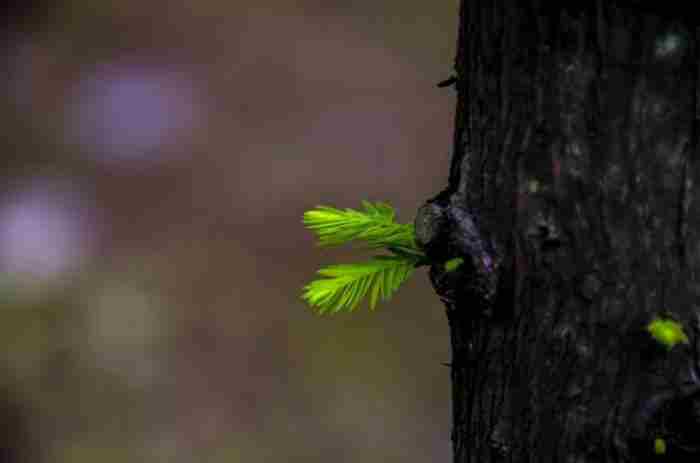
(573, 200)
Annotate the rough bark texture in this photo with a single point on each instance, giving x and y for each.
(572, 198)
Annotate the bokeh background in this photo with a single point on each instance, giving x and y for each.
(157, 156)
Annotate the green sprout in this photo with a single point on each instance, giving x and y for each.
(345, 285)
(375, 225)
(659, 446)
(667, 332)
(453, 264)
(348, 284)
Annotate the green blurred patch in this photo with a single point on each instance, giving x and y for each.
(659, 446)
(81, 452)
(453, 264)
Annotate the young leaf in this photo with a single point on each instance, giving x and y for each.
(667, 332)
(347, 284)
(659, 446)
(453, 264)
(375, 225)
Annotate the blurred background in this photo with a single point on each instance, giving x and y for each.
(157, 157)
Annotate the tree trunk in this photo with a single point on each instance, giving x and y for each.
(572, 199)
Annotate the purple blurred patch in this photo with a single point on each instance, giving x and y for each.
(129, 112)
(44, 230)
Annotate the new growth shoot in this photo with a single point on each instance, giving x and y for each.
(345, 285)
(667, 332)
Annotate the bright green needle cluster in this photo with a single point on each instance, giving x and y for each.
(346, 285)
(453, 264)
(667, 332)
(375, 225)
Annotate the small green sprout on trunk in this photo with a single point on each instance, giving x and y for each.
(659, 446)
(345, 285)
(667, 332)
(453, 264)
